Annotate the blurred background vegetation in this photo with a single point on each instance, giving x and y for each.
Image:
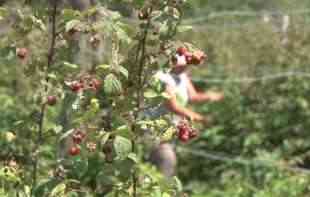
(259, 56)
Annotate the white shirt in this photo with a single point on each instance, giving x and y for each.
(179, 86)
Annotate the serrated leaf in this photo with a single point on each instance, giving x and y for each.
(150, 94)
(122, 147)
(45, 186)
(112, 84)
(168, 134)
(165, 95)
(52, 76)
(59, 190)
(72, 24)
(133, 157)
(104, 138)
(18, 122)
(123, 71)
(3, 13)
(90, 12)
(69, 14)
(166, 195)
(70, 65)
(184, 28)
(57, 129)
(163, 28)
(38, 22)
(114, 15)
(178, 184)
(122, 35)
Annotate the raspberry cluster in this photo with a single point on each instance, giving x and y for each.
(185, 57)
(51, 100)
(186, 131)
(86, 82)
(77, 139)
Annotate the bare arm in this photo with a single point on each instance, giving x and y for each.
(173, 105)
(196, 96)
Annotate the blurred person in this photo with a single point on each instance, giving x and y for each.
(181, 91)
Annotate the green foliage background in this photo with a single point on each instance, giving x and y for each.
(261, 134)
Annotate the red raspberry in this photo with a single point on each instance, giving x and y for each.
(184, 136)
(198, 57)
(78, 137)
(95, 84)
(76, 86)
(74, 150)
(51, 100)
(22, 53)
(189, 57)
(181, 50)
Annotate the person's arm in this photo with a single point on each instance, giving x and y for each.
(196, 96)
(173, 106)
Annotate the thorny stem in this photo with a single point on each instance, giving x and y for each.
(50, 56)
(141, 49)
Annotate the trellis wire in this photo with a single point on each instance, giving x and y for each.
(214, 15)
(242, 161)
(262, 78)
(218, 14)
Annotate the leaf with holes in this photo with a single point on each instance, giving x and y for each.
(122, 147)
(112, 84)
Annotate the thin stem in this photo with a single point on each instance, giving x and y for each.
(142, 50)
(50, 56)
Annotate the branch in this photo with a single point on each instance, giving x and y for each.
(50, 56)
(142, 48)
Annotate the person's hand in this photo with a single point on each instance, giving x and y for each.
(215, 96)
(207, 121)
(196, 117)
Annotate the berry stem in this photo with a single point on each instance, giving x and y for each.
(50, 56)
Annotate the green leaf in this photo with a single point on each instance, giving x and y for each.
(123, 71)
(104, 66)
(122, 35)
(150, 94)
(52, 76)
(90, 12)
(3, 13)
(104, 138)
(133, 157)
(58, 191)
(184, 28)
(163, 29)
(166, 195)
(115, 15)
(165, 95)
(112, 84)
(122, 147)
(45, 186)
(178, 184)
(69, 14)
(67, 64)
(73, 24)
(168, 134)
